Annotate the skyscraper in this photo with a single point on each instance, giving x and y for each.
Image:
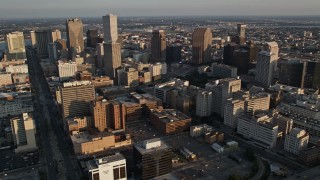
(110, 28)
(158, 46)
(242, 33)
(267, 64)
(201, 45)
(75, 43)
(76, 97)
(292, 72)
(43, 38)
(93, 38)
(204, 103)
(112, 58)
(16, 46)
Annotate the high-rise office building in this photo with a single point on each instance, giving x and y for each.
(75, 43)
(265, 68)
(296, 141)
(267, 64)
(110, 28)
(158, 46)
(76, 98)
(204, 103)
(152, 158)
(100, 111)
(233, 109)
(16, 46)
(242, 33)
(110, 167)
(24, 131)
(221, 91)
(100, 55)
(53, 51)
(117, 121)
(43, 38)
(93, 38)
(201, 45)
(173, 54)
(112, 58)
(33, 38)
(312, 76)
(292, 72)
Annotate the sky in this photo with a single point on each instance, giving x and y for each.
(96, 8)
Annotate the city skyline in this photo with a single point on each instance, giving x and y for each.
(81, 8)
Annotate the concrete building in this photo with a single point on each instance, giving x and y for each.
(5, 79)
(110, 167)
(222, 90)
(66, 70)
(112, 58)
(158, 46)
(257, 103)
(128, 77)
(296, 141)
(310, 156)
(88, 142)
(204, 103)
(100, 55)
(14, 104)
(285, 124)
(101, 82)
(223, 71)
(259, 128)
(242, 33)
(53, 51)
(75, 42)
(110, 28)
(201, 45)
(17, 69)
(267, 64)
(79, 124)
(24, 131)
(169, 121)
(152, 158)
(213, 137)
(233, 109)
(76, 97)
(158, 69)
(43, 38)
(16, 46)
(100, 111)
(200, 130)
(93, 38)
(265, 68)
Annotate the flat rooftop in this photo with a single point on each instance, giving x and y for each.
(169, 115)
(94, 164)
(142, 149)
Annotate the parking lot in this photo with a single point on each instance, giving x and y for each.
(9, 160)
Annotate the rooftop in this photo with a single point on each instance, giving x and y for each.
(169, 115)
(94, 164)
(141, 146)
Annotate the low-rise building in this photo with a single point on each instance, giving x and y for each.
(88, 142)
(110, 167)
(213, 137)
(200, 130)
(169, 121)
(15, 103)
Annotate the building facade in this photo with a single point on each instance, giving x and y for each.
(201, 45)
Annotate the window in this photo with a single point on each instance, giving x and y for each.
(116, 173)
(123, 172)
(96, 176)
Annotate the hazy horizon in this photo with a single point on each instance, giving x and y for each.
(152, 8)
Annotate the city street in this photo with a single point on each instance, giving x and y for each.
(55, 150)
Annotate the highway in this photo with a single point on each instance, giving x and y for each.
(60, 163)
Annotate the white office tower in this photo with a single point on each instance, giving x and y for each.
(66, 70)
(259, 128)
(110, 28)
(110, 167)
(100, 55)
(296, 141)
(233, 109)
(204, 102)
(267, 64)
(24, 131)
